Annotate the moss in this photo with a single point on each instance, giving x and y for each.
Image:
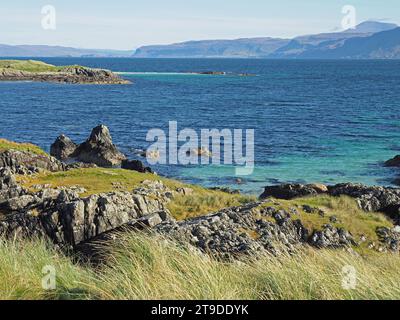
(6, 145)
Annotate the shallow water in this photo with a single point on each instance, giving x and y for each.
(314, 121)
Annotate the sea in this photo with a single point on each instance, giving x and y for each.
(313, 121)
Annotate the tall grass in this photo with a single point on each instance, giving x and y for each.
(21, 272)
(140, 266)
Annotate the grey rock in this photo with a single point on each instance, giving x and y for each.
(99, 149)
(291, 191)
(135, 165)
(395, 162)
(24, 162)
(63, 148)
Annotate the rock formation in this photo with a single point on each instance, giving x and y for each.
(24, 162)
(383, 199)
(395, 162)
(71, 74)
(98, 149)
(135, 165)
(63, 148)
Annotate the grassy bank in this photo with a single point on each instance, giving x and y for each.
(30, 66)
(7, 145)
(142, 266)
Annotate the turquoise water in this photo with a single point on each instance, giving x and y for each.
(314, 121)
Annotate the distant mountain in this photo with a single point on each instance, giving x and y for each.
(381, 45)
(372, 27)
(319, 46)
(57, 51)
(240, 48)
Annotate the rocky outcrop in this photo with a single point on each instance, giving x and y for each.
(25, 162)
(253, 229)
(135, 165)
(67, 219)
(395, 162)
(63, 148)
(71, 74)
(383, 199)
(331, 237)
(98, 149)
(370, 198)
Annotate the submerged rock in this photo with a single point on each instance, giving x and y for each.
(395, 162)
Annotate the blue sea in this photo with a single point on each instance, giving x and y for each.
(314, 121)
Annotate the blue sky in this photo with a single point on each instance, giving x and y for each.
(127, 24)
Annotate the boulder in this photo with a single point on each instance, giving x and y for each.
(291, 191)
(395, 162)
(135, 165)
(63, 148)
(99, 149)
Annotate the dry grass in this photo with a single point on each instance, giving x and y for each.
(140, 266)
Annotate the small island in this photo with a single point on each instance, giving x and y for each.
(31, 70)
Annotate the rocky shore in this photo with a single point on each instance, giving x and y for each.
(68, 74)
(73, 219)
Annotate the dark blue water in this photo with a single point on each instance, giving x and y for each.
(315, 121)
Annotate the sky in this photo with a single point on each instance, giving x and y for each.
(128, 24)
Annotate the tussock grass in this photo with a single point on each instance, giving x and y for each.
(140, 266)
(6, 145)
(143, 266)
(21, 272)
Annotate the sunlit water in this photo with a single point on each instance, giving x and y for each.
(314, 121)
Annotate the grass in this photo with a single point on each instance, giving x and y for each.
(140, 266)
(31, 66)
(349, 216)
(28, 65)
(100, 180)
(6, 145)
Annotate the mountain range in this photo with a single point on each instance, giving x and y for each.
(368, 40)
(57, 51)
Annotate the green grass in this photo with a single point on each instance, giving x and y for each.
(28, 65)
(32, 66)
(140, 266)
(345, 209)
(100, 180)
(6, 145)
